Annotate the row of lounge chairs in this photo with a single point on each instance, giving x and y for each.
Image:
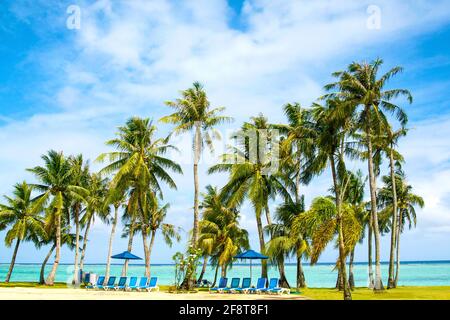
(143, 285)
(246, 287)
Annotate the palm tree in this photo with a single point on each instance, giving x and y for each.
(56, 184)
(150, 222)
(220, 233)
(360, 86)
(406, 203)
(193, 113)
(80, 176)
(22, 214)
(139, 167)
(253, 173)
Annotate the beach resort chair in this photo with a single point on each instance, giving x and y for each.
(222, 285)
(273, 283)
(142, 284)
(234, 285)
(122, 284)
(99, 283)
(152, 284)
(261, 284)
(246, 284)
(110, 284)
(132, 285)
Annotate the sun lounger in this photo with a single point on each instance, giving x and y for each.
(246, 284)
(234, 285)
(99, 283)
(132, 285)
(110, 284)
(261, 284)
(152, 285)
(122, 284)
(222, 285)
(273, 283)
(142, 284)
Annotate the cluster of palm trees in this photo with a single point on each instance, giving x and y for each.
(269, 163)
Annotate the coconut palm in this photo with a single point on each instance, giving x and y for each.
(56, 186)
(194, 113)
(254, 173)
(406, 203)
(367, 101)
(220, 234)
(21, 214)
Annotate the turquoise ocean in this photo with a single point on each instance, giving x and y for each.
(418, 273)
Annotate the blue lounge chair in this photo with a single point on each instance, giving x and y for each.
(261, 284)
(99, 283)
(222, 285)
(132, 285)
(110, 284)
(273, 283)
(233, 286)
(152, 284)
(122, 284)
(142, 284)
(246, 284)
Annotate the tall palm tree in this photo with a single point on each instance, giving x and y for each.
(220, 233)
(56, 186)
(194, 113)
(253, 173)
(406, 203)
(150, 222)
(22, 214)
(367, 102)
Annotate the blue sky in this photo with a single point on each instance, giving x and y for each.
(69, 89)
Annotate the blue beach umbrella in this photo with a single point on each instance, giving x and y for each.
(251, 255)
(126, 255)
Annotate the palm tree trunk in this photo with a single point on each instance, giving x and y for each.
(342, 264)
(215, 275)
(111, 239)
(146, 253)
(44, 263)
(397, 269)
(351, 277)
(129, 248)
(369, 253)
(223, 272)
(197, 144)
(391, 283)
(13, 260)
(283, 282)
(202, 273)
(76, 277)
(85, 241)
(378, 286)
(150, 248)
(51, 277)
(262, 245)
(301, 282)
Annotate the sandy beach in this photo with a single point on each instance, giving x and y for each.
(82, 294)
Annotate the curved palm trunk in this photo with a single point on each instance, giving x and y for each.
(378, 285)
(351, 277)
(283, 282)
(301, 282)
(85, 241)
(13, 261)
(76, 277)
(215, 275)
(51, 277)
(129, 248)
(342, 264)
(44, 263)
(397, 269)
(111, 239)
(262, 245)
(150, 249)
(369, 253)
(197, 144)
(391, 282)
(202, 273)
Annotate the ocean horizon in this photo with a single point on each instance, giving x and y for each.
(322, 275)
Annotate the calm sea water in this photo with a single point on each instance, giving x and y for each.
(427, 273)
